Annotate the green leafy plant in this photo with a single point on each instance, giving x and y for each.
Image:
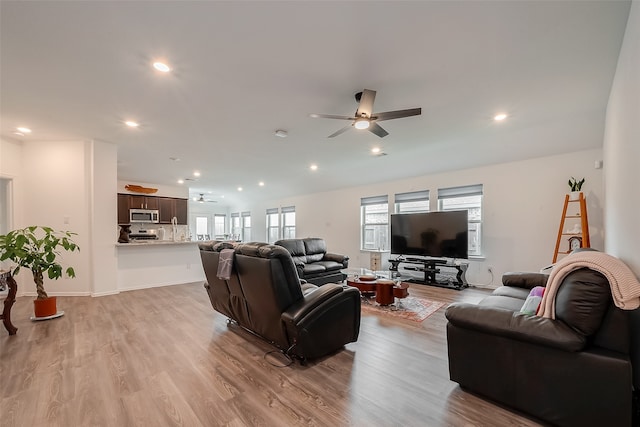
(37, 248)
(575, 185)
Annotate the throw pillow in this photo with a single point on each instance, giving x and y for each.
(532, 302)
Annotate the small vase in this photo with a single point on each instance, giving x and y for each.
(44, 307)
(574, 195)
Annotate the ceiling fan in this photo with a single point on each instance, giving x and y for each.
(201, 199)
(365, 118)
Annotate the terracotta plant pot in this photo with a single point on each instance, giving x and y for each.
(45, 307)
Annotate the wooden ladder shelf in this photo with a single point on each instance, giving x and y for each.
(567, 235)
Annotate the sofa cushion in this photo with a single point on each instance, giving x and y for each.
(315, 248)
(314, 268)
(296, 249)
(582, 300)
(502, 302)
(508, 291)
(330, 265)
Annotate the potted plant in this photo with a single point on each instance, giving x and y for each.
(37, 248)
(575, 187)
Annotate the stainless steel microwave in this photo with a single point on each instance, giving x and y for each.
(144, 215)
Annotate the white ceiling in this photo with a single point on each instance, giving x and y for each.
(244, 69)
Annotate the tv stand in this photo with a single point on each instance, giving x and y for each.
(433, 275)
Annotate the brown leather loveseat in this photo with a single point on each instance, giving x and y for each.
(574, 370)
(264, 294)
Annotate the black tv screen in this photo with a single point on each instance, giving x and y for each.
(430, 234)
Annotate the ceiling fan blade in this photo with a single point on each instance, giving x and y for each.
(338, 132)
(366, 103)
(388, 115)
(377, 130)
(331, 116)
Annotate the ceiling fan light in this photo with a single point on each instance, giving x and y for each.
(361, 124)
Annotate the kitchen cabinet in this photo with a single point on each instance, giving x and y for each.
(123, 209)
(143, 202)
(168, 207)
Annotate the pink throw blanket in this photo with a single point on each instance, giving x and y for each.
(625, 288)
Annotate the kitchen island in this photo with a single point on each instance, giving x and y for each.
(151, 263)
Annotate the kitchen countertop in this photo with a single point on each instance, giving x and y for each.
(159, 242)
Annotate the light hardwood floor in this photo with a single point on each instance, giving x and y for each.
(163, 357)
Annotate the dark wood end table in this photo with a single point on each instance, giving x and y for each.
(384, 290)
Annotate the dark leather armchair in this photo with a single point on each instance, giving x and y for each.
(265, 295)
(313, 262)
(574, 370)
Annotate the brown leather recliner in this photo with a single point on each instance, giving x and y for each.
(264, 295)
(574, 370)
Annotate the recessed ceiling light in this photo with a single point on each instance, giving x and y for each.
(313, 167)
(281, 133)
(175, 159)
(375, 150)
(181, 181)
(239, 188)
(195, 199)
(196, 173)
(23, 130)
(261, 184)
(131, 124)
(499, 117)
(161, 66)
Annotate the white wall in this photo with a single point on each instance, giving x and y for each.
(622, 150)
(57, 194)
(67, 185)
(522, 206)
(104, 207)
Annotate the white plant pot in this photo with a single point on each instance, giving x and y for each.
(574, 195)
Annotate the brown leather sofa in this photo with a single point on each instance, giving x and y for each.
(575, 370)
(265, 295)
(313, 262)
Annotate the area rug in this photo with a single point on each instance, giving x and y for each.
(410, 308)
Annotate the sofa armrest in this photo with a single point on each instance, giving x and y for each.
(524, 280)
(343, 259)
(310, 301)
(300, 269)
(514, 325)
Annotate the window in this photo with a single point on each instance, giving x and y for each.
(467, 198)
(246, 226)
(288, 222)
(219, 224)
(236, 229)
(202, 226)
(416, 201)
(374, 221)
(273, 225)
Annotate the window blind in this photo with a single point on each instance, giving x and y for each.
(272, 211)
(464, 191)
(413, 196)
(288, 209)
(375, 200)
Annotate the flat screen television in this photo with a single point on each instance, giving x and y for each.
(430, 234)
